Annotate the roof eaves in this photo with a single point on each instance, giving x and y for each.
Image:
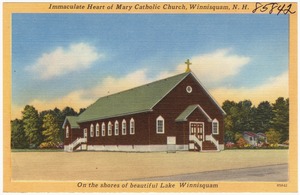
(224, 113)
(73, 123)
(179, 119)
(207, 116)
(117, 115)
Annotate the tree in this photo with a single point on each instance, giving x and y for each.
(229, 136)
(263, 117)
(273, 136)
(81, 110)
(230, 107)
(280, 120)
(245, 116)
(31, 126)
(18, 138)
(67, 111)
(237, 136)
(227, 105)
(239, 116)
(51, 132)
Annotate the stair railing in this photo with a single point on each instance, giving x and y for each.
(76, 142)
(195, 139)
(213, 140)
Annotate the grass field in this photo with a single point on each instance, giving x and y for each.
(116, 166)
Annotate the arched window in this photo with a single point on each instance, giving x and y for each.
(109, 129)
(92, 130)
(160, 125)
(132, 126)
(103, 129)
(116, 128)
(215, 126)
(67, 132)
(97, 130)
(124, 127)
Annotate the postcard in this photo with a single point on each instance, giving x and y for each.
(150, 97)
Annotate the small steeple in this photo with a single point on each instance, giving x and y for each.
(188, 63)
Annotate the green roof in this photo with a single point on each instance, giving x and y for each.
(183, 116)
(73, 122)
(135, 100)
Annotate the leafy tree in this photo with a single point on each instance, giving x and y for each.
(81, 110)
(51, 132)
(273, 136)
(230, 107)
(245, 120)
(263, 117)
(67, 111)
(18, 138)
(227, 105)
(280, 120)
(237, 136)
(31, 126)
(229, 136)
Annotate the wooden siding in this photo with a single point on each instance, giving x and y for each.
(73, 134)
(139, 138)
(176, 102)
(170, 107)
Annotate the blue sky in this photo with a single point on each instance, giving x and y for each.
(63, 60)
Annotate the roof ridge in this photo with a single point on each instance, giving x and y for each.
(134, 88)
(133, 100)
(147, 84)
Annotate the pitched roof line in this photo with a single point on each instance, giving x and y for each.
(213, 99)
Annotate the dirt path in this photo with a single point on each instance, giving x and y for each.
(115, 166)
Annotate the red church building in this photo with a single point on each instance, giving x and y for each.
(175, 113)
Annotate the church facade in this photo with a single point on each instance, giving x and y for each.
(176, 113)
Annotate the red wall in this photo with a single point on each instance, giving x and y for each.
(139, 138)
(170, 107)
(73, 134)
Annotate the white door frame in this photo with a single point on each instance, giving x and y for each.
(190, 129)
(85, 133)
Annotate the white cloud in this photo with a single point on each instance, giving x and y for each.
(269, 91)
(64, 60)
(84, 97)
(219, 65)
(222, 62)
(112, 85)
(213, 67)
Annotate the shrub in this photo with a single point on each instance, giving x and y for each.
(273, 136)
(241, 143)
(286, 142)
(49, 145)
(230, 145)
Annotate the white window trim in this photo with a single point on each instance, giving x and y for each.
(92, 130)
(117, 128)
(97, 130)
(217, 122)
(189, 89)
(103, 129)
(160, 118)
(67, 132)
(109, 129)
(124, 132)
(85, 132)
(132, 126)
